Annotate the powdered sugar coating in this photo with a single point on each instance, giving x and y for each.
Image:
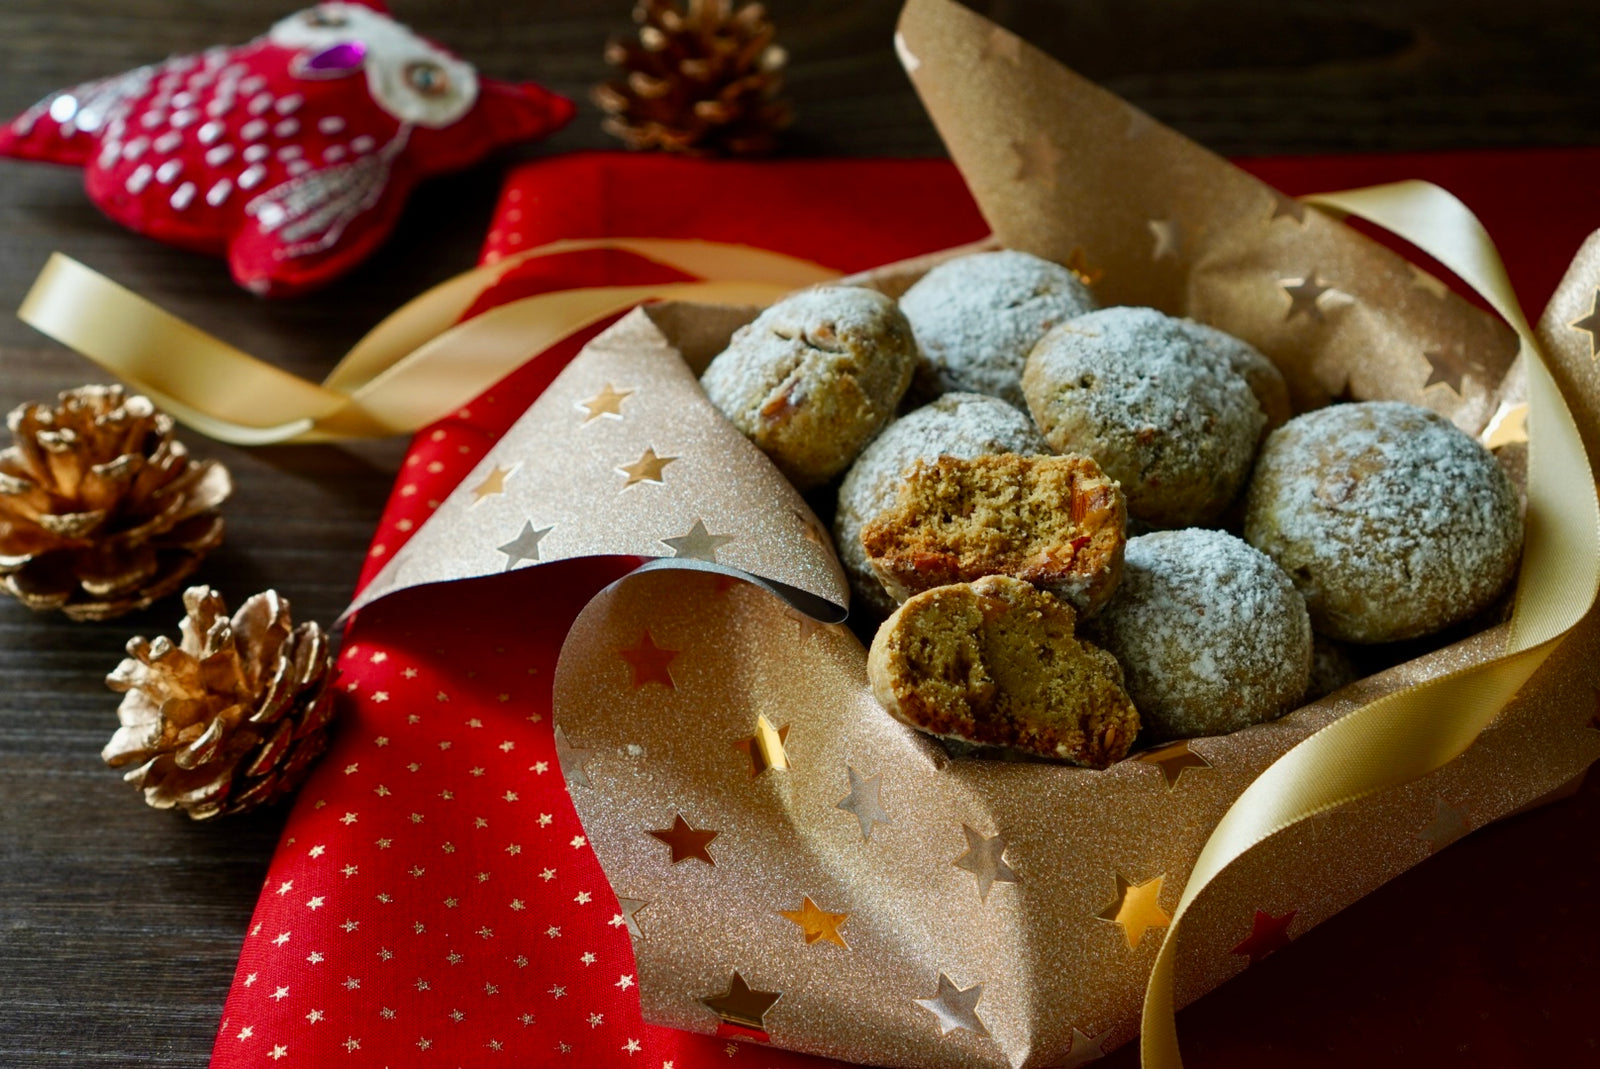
(965, 425)
(1212, 636)
(1266, 381)
(814, 377)
(977, 317)
(1391, 521)
(1164, 414)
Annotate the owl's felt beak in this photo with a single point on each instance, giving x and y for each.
(517, 111)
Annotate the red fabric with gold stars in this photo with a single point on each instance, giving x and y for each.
(433, 900)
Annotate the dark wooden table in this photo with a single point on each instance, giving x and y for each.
(119, 926)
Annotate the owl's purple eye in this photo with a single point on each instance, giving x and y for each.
(427, 78)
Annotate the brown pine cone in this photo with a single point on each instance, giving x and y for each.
(102, 511)
(233, 716)
(702, 81)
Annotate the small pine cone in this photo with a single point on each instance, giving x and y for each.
(102, 511)
(230, 718)
(702, 81)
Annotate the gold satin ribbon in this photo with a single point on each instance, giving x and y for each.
(416, 366)
(1410, 733)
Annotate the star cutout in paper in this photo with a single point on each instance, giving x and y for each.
(865, 801)
(698, 544)
(1169, 238)
(1084, 1049)
(650, 662)
(1038, 159)
(1429, 283)
(608, 402)
(740, 1006)
(493, 483)
(1303, 296)
(954, 1007)
(1590, 325)
(1078, 264)
(1137, 908)
(1267, 934)
(765, 747)
(525, 546)
(1508, 426)
(817, 923)
(647, 469)
(572, 759)
(686, 842)
(1448, 825)
(1285, 207)
(630, 908)
(1445, 367)
(1174, 759)
(985, 859)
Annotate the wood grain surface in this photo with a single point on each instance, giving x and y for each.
(119, 926)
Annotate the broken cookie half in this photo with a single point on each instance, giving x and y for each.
(998, 663)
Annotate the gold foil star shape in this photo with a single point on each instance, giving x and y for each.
(1078, 264)
(816, 922)
(1084, 1049)
(1446, 367)
(985, 859)
(954, 1007)
(1590, 325)
(1169, 238)
(1448, 825)
(865, 801)
(1174, 759)
(650, 662)
(1426, 282)
(1267, 934)
(1286, 207)
(686, 842)
(1303, 296)
(572, 759)
(1508, 426)
(630, 908)
(1038, 159)
(647, 469)
(525, 546)
(765, 747)
(608, 402)
(740, 1006)
(1136, 908)
(698, 544)
(493, 483)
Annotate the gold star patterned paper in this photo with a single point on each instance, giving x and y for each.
(1137, 908)
(740, 1006)
(1174, 759)
(686, 843)
(985, 859)
(623, 455)
(1571, 347)
(765, 748)
(816, 922)
(954, 1007)
(865, 801)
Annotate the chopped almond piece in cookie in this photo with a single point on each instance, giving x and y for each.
(997, 662)
(1054, 521)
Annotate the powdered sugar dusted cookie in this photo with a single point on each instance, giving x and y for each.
(977, 317)
(1392, 522)
(1162, 412)
(997, 662)
(1212, 635)
(1266, 381)
(814, 377)
(958, 424)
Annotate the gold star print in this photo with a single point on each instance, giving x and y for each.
(1084, 1049)
(817, 923)
(525, 546)
(954, 1007)
(1284, 207)
(1174, 759)
(1268, 934)
(608, 402)
(740, 1006)
(865, 801)
(1508, 426)
(1590, 325)
(493, 483)
(985, 859)
(808, 625)
(686, 842)
(630, 908)
(1303, 296)
(1136, 908)
(1448, 825)
(812, 529)
(765, 747)
(647, 469)
(698, 544)
(1169, 238)
(1078, 264)
(1038, 159)
(650, 662)
(572, 759)
(1426, 282)
(1446, 367)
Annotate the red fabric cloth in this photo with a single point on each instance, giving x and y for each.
(433, 900)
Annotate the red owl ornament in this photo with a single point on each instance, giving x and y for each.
(293, 154)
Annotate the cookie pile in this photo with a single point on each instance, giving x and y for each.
(990, 521)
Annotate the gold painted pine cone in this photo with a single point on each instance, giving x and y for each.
(702, 80)
(102, 510)
(230, 718)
